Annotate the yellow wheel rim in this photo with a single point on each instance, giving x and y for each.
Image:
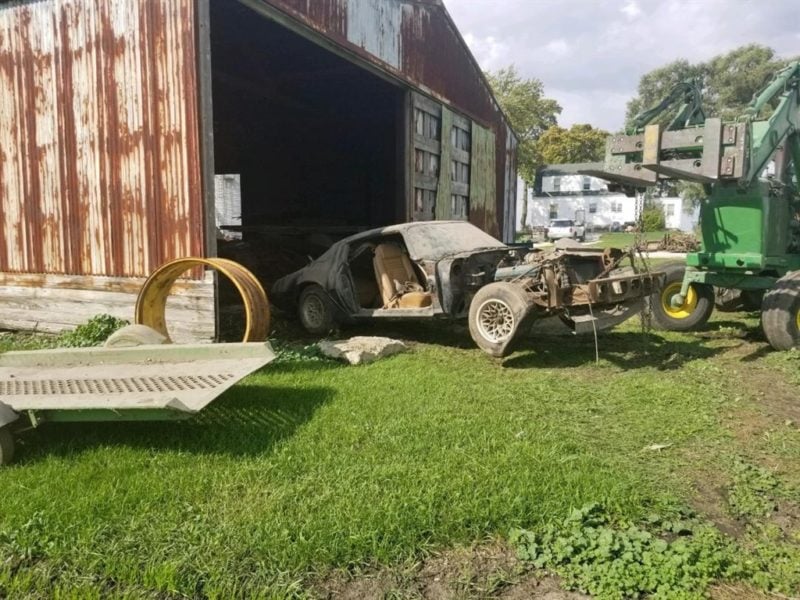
(685, 310)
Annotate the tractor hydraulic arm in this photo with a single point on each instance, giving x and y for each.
(708, 151)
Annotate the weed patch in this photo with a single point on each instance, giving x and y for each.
(619, 559)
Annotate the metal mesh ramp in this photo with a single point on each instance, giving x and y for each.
(183, 378)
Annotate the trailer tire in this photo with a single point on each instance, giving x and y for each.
(780, 313)
(6, 446)
(696, 309)
(495, 315)
(315, 310)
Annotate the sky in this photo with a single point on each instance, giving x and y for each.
(590, 54)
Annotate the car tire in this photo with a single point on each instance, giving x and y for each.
(694, 313)
(6, 446)
(315, 310)
(495, 315)
(780, 313)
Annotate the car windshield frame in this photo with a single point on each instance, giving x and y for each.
(562, 223)
(435, 241)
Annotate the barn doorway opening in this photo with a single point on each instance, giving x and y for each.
(308, 146)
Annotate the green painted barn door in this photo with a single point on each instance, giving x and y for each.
(482, 180)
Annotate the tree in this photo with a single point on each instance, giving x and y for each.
(530, 114)
(657, 84)
(579, 143)
(729, 81)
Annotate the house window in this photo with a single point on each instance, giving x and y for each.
(556, 184)
(669, 210)
(592, 207)
(616, 207)
(587, 183)
(554, 211)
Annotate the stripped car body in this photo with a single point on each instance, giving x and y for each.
(452, 269)
(450, 261)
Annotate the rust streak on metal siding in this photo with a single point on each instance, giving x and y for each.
(326, 16)
(99, 136)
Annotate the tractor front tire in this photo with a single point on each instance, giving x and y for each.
(495, 315)
(6, 446)
(780, 313)
(695, 310)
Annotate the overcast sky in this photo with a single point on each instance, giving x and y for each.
(590, 54)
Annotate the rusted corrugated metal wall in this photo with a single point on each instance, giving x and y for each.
(416, 41)
(99, 156)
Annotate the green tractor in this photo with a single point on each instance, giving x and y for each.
(750, 220)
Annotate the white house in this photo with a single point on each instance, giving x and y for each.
(562, 192)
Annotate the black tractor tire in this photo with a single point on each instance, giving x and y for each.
(780, 313)
(6, 446)
(495, 315)
(696, 310)
(315, 310)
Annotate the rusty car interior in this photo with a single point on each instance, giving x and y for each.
(386, 279)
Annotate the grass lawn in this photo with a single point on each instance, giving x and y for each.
(310, 472)
(624, 240)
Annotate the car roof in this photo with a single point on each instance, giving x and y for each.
(399, 228)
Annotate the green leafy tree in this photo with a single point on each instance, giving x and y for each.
(657, 84)
(734, 78)
(729, 81)
(580, 143)
(530, 113)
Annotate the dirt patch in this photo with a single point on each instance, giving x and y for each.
(711, 501)
(486, 571)
(738, 592)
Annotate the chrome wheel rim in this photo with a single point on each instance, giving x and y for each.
(313, 311)
(495, 321)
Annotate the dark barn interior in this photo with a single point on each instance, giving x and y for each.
(313, 136)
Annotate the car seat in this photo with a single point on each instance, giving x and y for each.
(397, 280)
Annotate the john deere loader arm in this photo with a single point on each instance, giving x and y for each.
(707, 151)
(750, 225)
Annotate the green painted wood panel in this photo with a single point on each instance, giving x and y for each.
(443, 203)
(482, 185)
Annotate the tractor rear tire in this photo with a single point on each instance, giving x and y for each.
(6, 446)
(495, 315)
(695, 310)
(780, 313)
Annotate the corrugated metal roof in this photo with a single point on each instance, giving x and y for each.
(99, 146)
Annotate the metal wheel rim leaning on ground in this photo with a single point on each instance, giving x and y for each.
(685, 310)
(494, 315)
(152, 301)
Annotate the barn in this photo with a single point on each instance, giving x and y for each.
(133, 132)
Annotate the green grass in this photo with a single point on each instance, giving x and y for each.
(310, 466)
(624, 240)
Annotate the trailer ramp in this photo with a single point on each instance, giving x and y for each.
(160, 382)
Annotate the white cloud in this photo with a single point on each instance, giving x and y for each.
(491, 54)
(590, 55)
(631, 10)
(558, 47)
